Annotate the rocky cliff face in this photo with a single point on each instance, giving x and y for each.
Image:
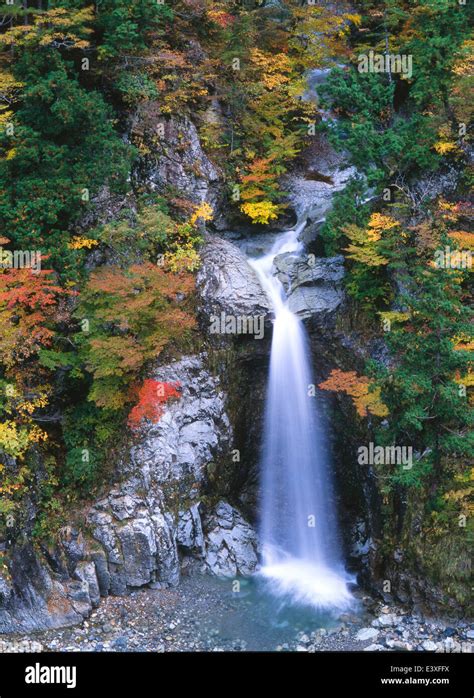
(173, 157)
(185, 495)
(154, 516)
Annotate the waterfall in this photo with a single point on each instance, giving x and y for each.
(301, 558)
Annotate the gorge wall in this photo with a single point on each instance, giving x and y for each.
(184, 496)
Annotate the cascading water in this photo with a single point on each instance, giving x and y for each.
(298, 528)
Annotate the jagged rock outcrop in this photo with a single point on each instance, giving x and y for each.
(174, 157)
(313, 285)
(32, 596)
(138, 532)
(153, 508)
(321, 173)
(226, 281)
(231, 543)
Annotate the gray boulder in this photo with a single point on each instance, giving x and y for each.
(227, 283)
(367, 634)
(313, 285)
(231, 543)
(295, 270)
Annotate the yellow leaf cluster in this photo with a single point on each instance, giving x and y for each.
(463, 343)
(444, 147)
(183, 259)
(8, 84)
(203, 212)
(354, 19)
(261, 211)
(79, 243)
(377, 224)
(363, 246)
(446, 205)
(275, 67)
(28, 407)
(464, 67)
(56, 25)
(462, 497)
(5, 118)
(463, 239)
(14, 440)
(394, 316)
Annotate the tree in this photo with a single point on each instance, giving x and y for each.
(31, 307)
(126, 27)
(367, 281)
(129, 317)
(428, 408)
(365, 395)
(63, 146)
(380, 142)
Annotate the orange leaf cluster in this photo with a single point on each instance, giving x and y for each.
(30, 305)
(463, 239)
(358, 388)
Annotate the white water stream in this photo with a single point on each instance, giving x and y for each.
(301, 557)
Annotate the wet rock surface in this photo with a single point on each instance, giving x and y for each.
(227, 283)
(313, 285)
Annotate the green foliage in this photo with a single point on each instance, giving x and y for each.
(397, 129)
(90, 437)
(127, 26)
(135, 87)
(438, 30)
(64, 146)
(428, 409)
(142, 236)
(347, 208)
(379, 141)
(152, 235)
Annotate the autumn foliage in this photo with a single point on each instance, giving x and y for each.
(151, 397)
(366, 401)
(131, 316)
(30, 305)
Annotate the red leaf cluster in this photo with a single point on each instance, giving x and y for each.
(151, 398)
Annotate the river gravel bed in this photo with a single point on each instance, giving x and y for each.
(204, 615)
